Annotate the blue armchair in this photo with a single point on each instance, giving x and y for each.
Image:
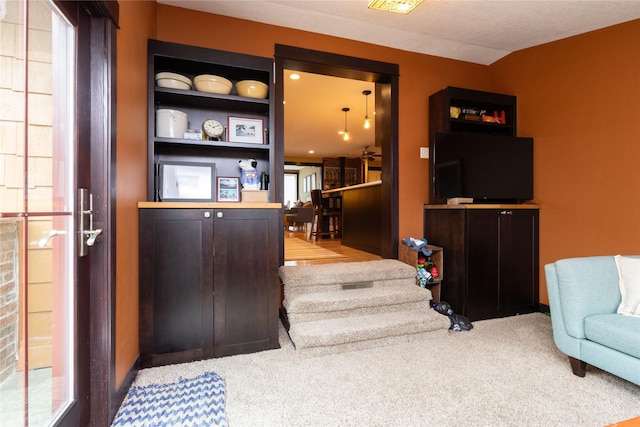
(584, 296)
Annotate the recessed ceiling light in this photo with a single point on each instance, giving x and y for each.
(397, 6)
(311, 151)
(294, 76)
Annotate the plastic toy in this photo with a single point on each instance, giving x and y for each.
(424, 276)
(417, 245)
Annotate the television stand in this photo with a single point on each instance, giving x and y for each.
(498, 201)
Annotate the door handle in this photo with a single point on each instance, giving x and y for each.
(43, 242)
(86, 234)
(93, 235)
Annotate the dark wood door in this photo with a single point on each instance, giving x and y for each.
(502, 262)
(519, 261)
(246, 280)
(176, 285)
(483, 264)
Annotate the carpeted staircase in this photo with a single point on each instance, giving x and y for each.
(354, 305)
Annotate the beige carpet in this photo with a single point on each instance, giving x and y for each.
(297, 250)
(504, 372)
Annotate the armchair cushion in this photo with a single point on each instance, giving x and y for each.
(615, 331)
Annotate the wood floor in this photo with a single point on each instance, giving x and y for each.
(335, 245)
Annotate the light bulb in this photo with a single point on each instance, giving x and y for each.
(345, 134)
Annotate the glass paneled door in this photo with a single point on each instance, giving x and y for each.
(37, 199)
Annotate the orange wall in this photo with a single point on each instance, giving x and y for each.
(420, 76)
(575, 97)
(578, 98)
(137, 24)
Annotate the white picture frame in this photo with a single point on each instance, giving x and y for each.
(228, 189)
(244, 129)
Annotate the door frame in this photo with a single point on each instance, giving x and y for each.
(96, 23)
(385, 76)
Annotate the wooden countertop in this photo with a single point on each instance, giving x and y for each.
(353, 187)
(208, 205)
(484, 206)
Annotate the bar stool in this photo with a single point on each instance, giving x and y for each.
(320, 212)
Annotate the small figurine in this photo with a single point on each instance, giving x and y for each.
(249, 176)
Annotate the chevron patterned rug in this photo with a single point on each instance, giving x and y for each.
(188, 402)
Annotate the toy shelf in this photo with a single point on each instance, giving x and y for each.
(410, 256)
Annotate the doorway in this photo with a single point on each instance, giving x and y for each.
(385, 76)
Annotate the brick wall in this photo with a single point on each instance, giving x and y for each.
(8, 297)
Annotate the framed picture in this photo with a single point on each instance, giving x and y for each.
(186, 181)
(242, 129)
(228, 189)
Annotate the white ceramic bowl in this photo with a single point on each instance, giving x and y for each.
(171, 123)
(213, 84)
(252, 89)
(173, 80)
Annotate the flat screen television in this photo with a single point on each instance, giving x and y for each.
(485, 168)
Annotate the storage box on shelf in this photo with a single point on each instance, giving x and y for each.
(410, 256)
(222, 150)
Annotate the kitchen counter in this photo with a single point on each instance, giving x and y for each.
(361, 215)
(353, 187)
(208, 205)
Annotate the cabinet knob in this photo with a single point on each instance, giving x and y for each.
(219, 214)
(506, 213)
(207, 214)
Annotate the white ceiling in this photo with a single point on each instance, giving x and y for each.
(478, 31)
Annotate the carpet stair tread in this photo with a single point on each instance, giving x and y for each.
(334, 332)
(355, 298)
(345, 273)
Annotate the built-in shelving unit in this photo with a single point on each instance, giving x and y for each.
(191, 61)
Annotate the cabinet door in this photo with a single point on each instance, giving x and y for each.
(519, 261)
(246, 280)
(483, 278)
(176, 285)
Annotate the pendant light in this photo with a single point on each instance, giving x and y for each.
(345, 133)
(367, 122)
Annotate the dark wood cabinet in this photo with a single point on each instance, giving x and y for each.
(492, 258)
(201, 296)
(246, 280)
(176, 285)
(458, 110)
(341, 172)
